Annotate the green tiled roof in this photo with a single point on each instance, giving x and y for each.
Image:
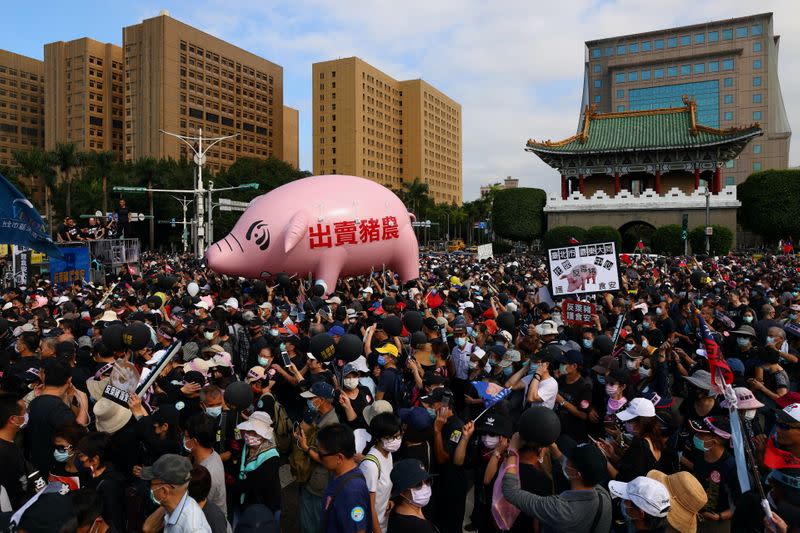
(642, 130)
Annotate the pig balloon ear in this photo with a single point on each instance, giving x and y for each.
(298, 226)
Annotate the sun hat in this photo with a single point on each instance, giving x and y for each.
(259, 423)
(376, 408)
(687, 495)
(744, 399)
(109, 416)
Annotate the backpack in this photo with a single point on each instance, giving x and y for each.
(300, 463)
(372, 459)
(282, 427)
(401, 395)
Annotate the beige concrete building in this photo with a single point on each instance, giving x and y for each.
(84, 95)
(729, 67)
(21, 105)
(291, 136)
(179, 79)
(368, 124)
(507, 183)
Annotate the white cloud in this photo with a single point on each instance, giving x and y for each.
(516, 67)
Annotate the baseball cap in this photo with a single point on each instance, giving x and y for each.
(232, 302)
(418, 339)
(320, 389)
(647, 494)
(202, 304)
(387, 349)
(336, 330)
(430, 322)
(716, 425)
(636, 408)
(406, 474)
(367, 290)
(334, 300)
(572, 357)
(436, 395)
(590, 462)
(789, 414)
(169, 468)
(351, 313)
(548, 327)
(257, 373)
(416, 417)
(376, 408)
(605, 363)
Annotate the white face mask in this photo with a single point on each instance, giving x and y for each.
(208, 335)
(644, 372)
(254, 441)
(392, 445)
(659, 311)
(629, 346)
(350, 383)
(749, 414)
(490, 441)
(421, 496)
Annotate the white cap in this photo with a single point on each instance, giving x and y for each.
(506, 335)
(368, 290)
(61, 300)
(360, 364)
(334, 300)
(232, 302)
(259, 423)
(548, 327)
(637, 407)
(202, 305)
(649, 495)
(266, 305)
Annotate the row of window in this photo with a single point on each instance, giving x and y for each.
(681, 40)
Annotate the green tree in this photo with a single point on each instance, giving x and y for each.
(100, 166)
(560, 236)
(518, 214)
(604, 234)
(771, 203)
(149, 172)
(667, 240)
(65, 158)
(34, 164)
(720, 242)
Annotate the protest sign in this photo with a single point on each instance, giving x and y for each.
(583, 269)
(577, 313)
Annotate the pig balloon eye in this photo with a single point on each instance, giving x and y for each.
(260, 232)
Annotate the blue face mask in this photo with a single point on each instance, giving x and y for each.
(507, 371)
(532, 368)
(770, 339)
(742, 341)
(601, 379)
(587, 343)
(793, 316)
(470, 331)
(60, 456)
(214, 412)
(283, 347)
(699, 444)
(311, 406)
(381, 360)
(431, 411)
(461, 341)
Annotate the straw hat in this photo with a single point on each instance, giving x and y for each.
(687, 497)
(110, 417)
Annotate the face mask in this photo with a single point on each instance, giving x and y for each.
(646, 325)
(214, 412)
(507, 371)
(392, 445)
(490, 441)
(659, 311)
(431, 411)
(254, 441)
(629, 428)
(470, 332)
(263, 361)
(601, 379)
(311, 406)
(533, 368)
(282, 347)
(153, 497)
(274, 332)
(587, 343)
(698, 302)
(562, 369)
(461, 341)
(208, 335)
(629, 346)
(741, 341)
(773, 300)
(611, 390)
(421, 496)
(381, 360)
(699, 444)
(645, 372)
(350, 383)
(630, 364)
(185, 447)
(770, 340)
(24, 420)
(747, 319)
(60, 456)
(645, 344)
(473, 365)
(792, 316)
(749, 414)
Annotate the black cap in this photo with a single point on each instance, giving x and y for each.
(49, 512)
(406, 474)
(436, 395)
(418, 339)
(497, 424)
(590, 462)
(430, 323)
(166, 414)
(571, 357)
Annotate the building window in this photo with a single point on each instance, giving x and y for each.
(756, 148)
(595, 53)
(633, 48)
(619, 77)
(727, 82)
(727, 35)
(645, 75)
(633, 76)
(658, 73)
(672, 42)
(672, 72)
(756, 98)
(728, 99)
(729, 163)
(596, 68)
(621, 50)
(756, 166)
(741, 33)
(727, 64)
(659, 44)
(686, 70)
(597, 83)
(756, 30)
(713, 36)
(729, 180)
(686, 40)
(597, 99)
(699, 68)
(728, 115)
(609, 51)
(713, 66)
(756, 81)
(756, 115)
(699, 38)
(705, 93)
(646, 46)
(620, 108)
(620, 93)
(756, 64)
(756, 46)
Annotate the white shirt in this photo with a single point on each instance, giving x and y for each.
(380, 485)
(213, 464)
(548, 390)
(187, 517)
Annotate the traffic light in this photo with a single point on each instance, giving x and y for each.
(685, 227)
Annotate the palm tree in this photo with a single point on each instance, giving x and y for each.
(65, 158)
(35, 165)
(147, 172)
(103, 164)
(415, 195)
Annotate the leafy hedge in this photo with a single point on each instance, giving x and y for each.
(518, 214)
(667, 240)
(771, 203)
(561, 235)
(604, 234)
(720, 242)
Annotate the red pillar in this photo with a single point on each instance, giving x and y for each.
(717, 181)
(616, 183)
(563, 187)
(696, 178)
(658, 181)
(580, 183)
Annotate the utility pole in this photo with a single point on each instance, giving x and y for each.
(708, 221)
(210, 212)
(185, 206)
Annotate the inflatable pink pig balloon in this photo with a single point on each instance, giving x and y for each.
(326, 225)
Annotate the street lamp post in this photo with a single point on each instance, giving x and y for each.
(708, 220)
(200, 160)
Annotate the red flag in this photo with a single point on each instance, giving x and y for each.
(640, 245)
(716, 362)
(788, 247)
(434, 300)
(573, 240)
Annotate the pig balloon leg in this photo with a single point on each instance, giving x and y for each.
(328, 272)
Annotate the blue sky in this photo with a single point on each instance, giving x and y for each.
(516, 67)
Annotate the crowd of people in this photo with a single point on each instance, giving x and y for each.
(115, 225)
(181, 400)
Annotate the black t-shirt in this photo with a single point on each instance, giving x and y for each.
(12, 472)
(537, 482)
(403, 522)
(122, 216)
(46, 413)
(363, 399)
(578, 394)
(63, 232)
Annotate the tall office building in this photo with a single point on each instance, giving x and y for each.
(179, 79)
(291, 149)
(21, 105)
(729, 67)
(366, 123)
(84, 96)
